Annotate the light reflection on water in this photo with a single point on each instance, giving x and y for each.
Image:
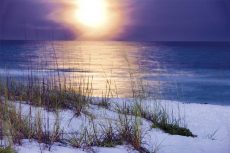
(175, 71)
(97, 61)
(102, 61)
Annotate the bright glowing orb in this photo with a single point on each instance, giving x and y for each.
(92, 13)
(92, 19)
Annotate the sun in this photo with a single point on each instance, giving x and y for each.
(92, 19)
(92, 13)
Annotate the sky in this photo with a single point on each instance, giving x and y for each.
(143, 20)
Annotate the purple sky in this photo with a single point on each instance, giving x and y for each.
(152, 20)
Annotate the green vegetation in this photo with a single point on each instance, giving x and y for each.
(173, 129)
(7, 150)
(159, 117)
(17, 127)
(48, 94)
(53, 96)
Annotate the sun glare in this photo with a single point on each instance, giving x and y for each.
(92, 13)
(92, 19)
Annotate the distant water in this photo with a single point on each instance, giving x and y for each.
(189, 72)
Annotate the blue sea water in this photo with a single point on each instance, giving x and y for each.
(197, 72)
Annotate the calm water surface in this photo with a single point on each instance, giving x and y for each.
(188, 72)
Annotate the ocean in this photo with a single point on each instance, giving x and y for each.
(190, 72)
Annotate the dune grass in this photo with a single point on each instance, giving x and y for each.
(158, 115)
(7, 150)
(53, 96)
(17, 126)
(48, 94)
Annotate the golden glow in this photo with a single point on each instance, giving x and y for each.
(92, 19)
(89, 62)
(92, 13)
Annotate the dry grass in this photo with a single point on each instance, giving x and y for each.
(53, 96)
(48, 94)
